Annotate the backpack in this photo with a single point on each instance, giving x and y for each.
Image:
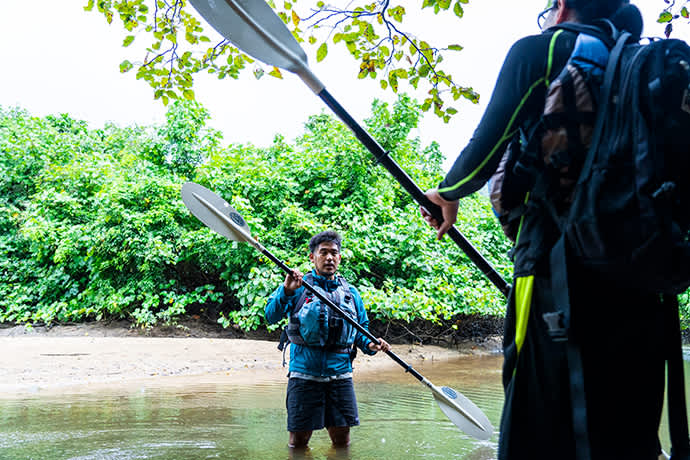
(607, 160)
(627, 216)
(313, 324)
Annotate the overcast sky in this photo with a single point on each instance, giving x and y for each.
(59, 59)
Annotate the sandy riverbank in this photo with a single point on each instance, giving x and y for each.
(83, 358)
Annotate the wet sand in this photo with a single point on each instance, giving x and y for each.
(78, 361)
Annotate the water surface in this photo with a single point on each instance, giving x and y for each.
(399, 420)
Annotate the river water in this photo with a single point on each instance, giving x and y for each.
(399, 420)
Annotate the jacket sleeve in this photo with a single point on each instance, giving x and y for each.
(279, 304)
(361, 340)
(519, 91)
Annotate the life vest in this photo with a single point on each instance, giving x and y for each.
(313, 324)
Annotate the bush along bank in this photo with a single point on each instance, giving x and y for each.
(92, 226)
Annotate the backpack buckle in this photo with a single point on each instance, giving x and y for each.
(555, 327)
(665, 191)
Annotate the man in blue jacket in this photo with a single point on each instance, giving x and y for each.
(320, 392)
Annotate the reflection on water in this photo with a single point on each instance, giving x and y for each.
(400, 420)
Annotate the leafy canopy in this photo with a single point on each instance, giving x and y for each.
(374, 33)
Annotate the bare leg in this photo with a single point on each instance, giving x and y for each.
(299, 439)
(340, 435)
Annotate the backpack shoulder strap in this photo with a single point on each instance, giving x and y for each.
(611, 67)
(343, 282)
(604, 30)
(345, 286)
(298, 305)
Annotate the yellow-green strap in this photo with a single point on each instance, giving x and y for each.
(549, 64)
(524, 288)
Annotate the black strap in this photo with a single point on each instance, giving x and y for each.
(608, 37)
(603, 108)
(560, 331)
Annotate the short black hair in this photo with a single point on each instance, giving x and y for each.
(622, 13)
(590, 10)
(327, 236)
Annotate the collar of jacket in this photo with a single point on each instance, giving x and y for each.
(325, 283)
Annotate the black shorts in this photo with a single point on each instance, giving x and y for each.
(314, 405)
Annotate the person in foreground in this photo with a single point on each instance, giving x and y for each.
(320, 392)
(618, 331)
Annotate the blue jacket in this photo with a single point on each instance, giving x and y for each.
(316, 361)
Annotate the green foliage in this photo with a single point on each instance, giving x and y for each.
(184, 142)
(373, 33)
(673, 13)
(93, 227)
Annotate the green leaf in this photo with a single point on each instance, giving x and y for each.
(665, 17)
(125, 66)
(400, 73)
(89, 6)
(684, 12)
(128, 40)
(455, 47)
(321, 52)
(393, 81)
(458, 10)
(397, 13)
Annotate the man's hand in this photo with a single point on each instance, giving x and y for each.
(293, 281)
(382, 346)
(449, 210)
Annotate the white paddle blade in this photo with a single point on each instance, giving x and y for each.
(256, 29)
(215, 212)
(463, 413)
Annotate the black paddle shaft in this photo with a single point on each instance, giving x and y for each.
(347, 318)
(409, 185)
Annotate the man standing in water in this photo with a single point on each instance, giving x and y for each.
(542, 419)
(320, 392)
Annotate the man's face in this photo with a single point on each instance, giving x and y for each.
(326, 259)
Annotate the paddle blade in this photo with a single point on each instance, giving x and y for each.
(215, 212)
(463, 413)
(256, 29)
